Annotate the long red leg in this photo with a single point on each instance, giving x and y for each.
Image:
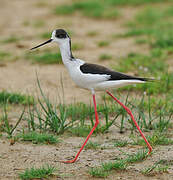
(130, 113)
(95, 125)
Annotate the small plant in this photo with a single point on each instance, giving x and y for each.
(117, 165)
(103, 43)
(103, 57)
(92, 145)
(41, 4)
(5, 125)
(77, 46)
(37, 173)
(4, 55)
(120, 143)
(98, 172)
(47, 116)
(120, 164)
(45, 35)
(45, 58)
(103, 171)
(64, 9)
(146, 64)
(7, 57)
(98, 9)
(92, 33)
(15, 98)
(81, 131)
(137, 157)
(39, 24)
(155, 139)
(26, 23)
(150, 23)
(141, 41)
(94, 9)
(11, 39)
(38, 137)
(157, 167)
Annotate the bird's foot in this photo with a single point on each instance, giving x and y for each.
(69, 161)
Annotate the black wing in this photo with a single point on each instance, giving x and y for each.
(97, 69)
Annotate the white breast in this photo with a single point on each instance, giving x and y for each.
(87, 81)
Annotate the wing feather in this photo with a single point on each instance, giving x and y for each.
(88, 68)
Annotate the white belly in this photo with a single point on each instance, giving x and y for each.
(86, 81)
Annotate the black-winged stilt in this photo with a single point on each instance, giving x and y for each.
(92, 77)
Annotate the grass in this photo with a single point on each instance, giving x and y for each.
(100, 8)
(15, 98)
(121, 164)
(98, 172)
(117, 165)
(5, 125)
(43, 116)
(145, 64)
(137, 157)
(77, 46)
(41, 4)
(153, 112)
(151, 24)
(150, 65)
(120, 143)
(45, 35)
(135, 2)
(155, 139)
(37, 138)
(150, 113)
(103, 57)
(153, 118)
(157, 167)
(26, 23)
(4, 55)
(11, 39)
(164, 85)
(92, 145)
(92, 33)
(104, 170)
(45, 57)
(38, 24)
(103, 43)
(94, 9)
(37, 173)
(81, 131)
(46, 116)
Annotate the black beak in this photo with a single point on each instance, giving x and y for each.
(41, 44)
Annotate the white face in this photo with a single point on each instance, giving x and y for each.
(59, 36)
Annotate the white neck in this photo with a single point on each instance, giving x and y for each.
(65, 49)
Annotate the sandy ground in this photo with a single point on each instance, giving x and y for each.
(18, 157)
(20, 76)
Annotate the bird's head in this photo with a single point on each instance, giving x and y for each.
(59, 36)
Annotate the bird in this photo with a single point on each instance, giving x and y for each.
(93, 77)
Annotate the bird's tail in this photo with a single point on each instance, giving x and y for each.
(148, 79)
